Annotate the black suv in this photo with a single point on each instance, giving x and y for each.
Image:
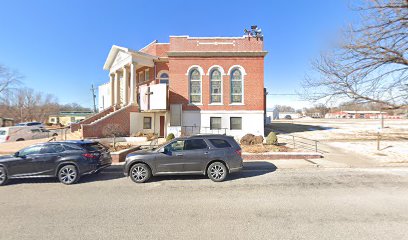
(211, 155)
(67, 160)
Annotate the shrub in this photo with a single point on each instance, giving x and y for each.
(258, 139)
(272, 138)
(170, 137)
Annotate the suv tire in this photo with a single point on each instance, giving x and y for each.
(140, 173)
(68, 174)
(217, 172)
(3, 176)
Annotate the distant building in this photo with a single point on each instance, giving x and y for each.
(67, 117)
(274, 114)
(358, 114)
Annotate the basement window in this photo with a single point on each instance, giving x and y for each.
(147, 123)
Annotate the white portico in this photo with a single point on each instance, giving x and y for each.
(122, 64)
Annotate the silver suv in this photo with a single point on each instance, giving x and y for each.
(213, 155)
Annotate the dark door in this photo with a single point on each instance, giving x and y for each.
(195, 155)
(171, 160)
(47, 162)
(161, 126)
(25, 163)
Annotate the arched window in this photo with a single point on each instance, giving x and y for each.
(164, 78)
(195, 86)
(236, 86)
(216, 86)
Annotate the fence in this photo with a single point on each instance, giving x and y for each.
(300, 142)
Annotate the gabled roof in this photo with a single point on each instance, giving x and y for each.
(116, 49)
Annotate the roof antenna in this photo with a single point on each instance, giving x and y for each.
(254, 32)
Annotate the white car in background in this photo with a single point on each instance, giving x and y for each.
(22, 133)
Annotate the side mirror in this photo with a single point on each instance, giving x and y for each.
(16, 154)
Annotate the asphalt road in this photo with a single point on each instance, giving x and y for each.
(259, 203)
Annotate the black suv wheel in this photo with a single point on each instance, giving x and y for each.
(217, 172)
(140, 173)
(68, 174)
(3, 176)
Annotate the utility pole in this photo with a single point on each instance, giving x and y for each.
(94, 97)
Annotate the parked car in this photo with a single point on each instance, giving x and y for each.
(30, 124)
(288, 117)
(22, 133)
(213, 155)
(66, 160)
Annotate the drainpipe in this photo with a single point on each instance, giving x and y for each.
(154, 72)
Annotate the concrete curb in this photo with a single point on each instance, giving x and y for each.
(280, 155)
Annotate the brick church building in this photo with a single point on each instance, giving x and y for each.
(189, 85)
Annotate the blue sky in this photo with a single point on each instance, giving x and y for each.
(60, 46)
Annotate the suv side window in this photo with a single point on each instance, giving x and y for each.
(30, 150)
(220, 143)
(194, 144)
(52, 148)
(175, 146)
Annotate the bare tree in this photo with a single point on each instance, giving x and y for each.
(8, 78)
(284, 108)
(371, 63)
(114, 131)
(25, 104)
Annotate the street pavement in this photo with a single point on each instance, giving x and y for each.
(265, 201)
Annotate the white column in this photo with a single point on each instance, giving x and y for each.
(132, 83)
(125, 86)
(117, 89)
(112, 89)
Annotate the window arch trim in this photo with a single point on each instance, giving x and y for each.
(221, 94)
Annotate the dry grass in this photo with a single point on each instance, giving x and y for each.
(262, 148)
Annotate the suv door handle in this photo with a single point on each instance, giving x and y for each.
(179, 154)
(205, 153)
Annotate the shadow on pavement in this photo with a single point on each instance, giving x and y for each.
(251, 169)
(288, 127)
(110, 173)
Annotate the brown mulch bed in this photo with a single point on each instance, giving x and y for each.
(263, 148)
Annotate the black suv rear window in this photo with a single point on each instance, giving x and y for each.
(92, 147)
(220, 143)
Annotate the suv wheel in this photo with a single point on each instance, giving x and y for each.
(217, 172)
(68, 174)
(3, 176)
(140, 173)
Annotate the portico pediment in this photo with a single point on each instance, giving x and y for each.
(120, 56)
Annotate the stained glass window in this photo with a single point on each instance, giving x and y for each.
(164, 78)
(236, 86)
(215, 86)
(195, 86)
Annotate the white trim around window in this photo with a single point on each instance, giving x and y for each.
(211, 81)
(158, 77)
(230, 71)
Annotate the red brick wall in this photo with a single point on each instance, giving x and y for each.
(121, 117)
(211, 44)
(253, 81)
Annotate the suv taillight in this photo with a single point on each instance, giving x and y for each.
(7, 138)
(91, 155)
(238, 152)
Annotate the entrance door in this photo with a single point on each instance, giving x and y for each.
(161, 126)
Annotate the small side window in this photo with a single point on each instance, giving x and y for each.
(220, 143)
(195, 144)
